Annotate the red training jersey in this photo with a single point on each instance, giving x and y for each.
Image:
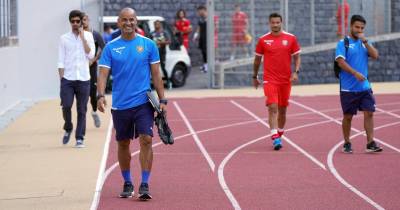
(277, 52)
(239, 22)
(185, 28)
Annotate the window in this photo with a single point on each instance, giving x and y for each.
(8, 23)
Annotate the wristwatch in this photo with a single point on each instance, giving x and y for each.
(365, 41)
(255, 77)
(164, 101)
(297, 72)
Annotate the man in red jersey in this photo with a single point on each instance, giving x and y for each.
(239, 30)
(339, 12)
(277, 47)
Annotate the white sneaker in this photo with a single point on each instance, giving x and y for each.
(79, 143)
(205, 68)
(96, 119)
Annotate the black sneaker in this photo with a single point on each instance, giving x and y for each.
(347, 148)
(373, 147)
(144, 193)
(127, 191)
(66, 138)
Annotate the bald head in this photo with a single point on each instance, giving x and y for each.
(127, 11)
(127, 22)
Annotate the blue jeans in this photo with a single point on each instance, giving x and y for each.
(81, 90)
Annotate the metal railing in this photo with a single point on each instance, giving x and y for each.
(313, 22)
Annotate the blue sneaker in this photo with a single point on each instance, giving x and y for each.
(66, 137)
(277, 144)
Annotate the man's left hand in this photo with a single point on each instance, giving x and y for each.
(294, 77)
(163, 108)
(361, 36)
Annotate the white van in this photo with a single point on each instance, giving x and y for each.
(177, 62)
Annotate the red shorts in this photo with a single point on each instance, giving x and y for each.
(277, 94)
(238, 38)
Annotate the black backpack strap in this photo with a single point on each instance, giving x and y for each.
(346, 45)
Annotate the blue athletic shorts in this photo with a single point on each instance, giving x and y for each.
(353, 101)
(134, 121)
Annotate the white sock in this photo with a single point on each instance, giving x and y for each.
(274, 131)
(280, 130)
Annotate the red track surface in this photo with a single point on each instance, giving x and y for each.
(257, 176)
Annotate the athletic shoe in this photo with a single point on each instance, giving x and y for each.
(373, 147)
(280, 133)
(169, 85)
(96, 119)
(204, 68)
(277, 144)
(144, 193)
(79, 143)
(127, 191)
(347, 148)
(66, 137)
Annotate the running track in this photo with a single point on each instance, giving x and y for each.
(223, 159)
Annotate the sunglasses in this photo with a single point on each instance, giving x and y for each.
(75, 21)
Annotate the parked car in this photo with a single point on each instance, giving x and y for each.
(177, 63)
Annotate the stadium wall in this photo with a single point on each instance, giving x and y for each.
(318, 67)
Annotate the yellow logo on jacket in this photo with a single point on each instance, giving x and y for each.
(139, 49)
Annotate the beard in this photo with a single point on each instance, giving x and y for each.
(276, 29)
(75, 27)
(354, 34)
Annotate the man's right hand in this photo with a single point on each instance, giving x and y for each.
(256, 83)
(101, 104)
(359, 76)
(81, 33)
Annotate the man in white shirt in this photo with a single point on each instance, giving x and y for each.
(76, 49)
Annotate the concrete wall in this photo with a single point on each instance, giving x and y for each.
(9, 80)
(395, 6)
(29, 70)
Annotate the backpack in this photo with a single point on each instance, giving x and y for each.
(336, 66)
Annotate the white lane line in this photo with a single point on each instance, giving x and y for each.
(338, 109)
(195, 137)
(115, 165)
(335, 173)
(340, 123)
(101, 177)
(221, 177)
(112, 167)
(330, 157)
(389, 113)
(308, 155)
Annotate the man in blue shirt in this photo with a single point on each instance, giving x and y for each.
(134, 60)
(355, 89)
